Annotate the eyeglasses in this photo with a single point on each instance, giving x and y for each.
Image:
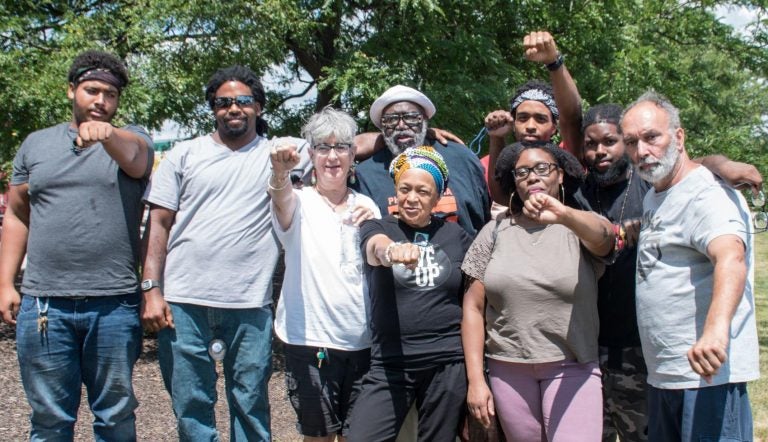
(240, 101)
(409, 118)
(760, 218)
(324, 149)
(540, 169)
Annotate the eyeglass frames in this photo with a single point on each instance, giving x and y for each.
(411, 119)
(324, 149)
(240, 100)
(540, 169)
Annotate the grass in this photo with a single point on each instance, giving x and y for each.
(758, 390)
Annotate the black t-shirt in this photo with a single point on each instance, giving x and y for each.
(416, 315)
(616, 289)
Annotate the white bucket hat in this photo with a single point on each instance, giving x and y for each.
(400, 93)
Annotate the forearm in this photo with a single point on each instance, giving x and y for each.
(367, 144)
(158, 231)
(473, 340)
(12, 249)
(473, 336)
(712, 162)
(129, 151)
(594, 231)
(283, 198)
(729, 279)
(495, 146)
(568, 103)
(376, 250)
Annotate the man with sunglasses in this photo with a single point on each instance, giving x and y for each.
(402, 113)
(75, 210)
(210, 259)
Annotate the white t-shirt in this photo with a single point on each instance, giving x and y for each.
(222, 250)
(318, 306)
(675, 280)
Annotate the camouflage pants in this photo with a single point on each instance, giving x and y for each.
(624, 394)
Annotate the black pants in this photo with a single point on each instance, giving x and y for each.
(387, 395)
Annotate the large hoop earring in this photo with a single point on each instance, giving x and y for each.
(510, 202)
(313, 178)
(352, 179)
(562, 194)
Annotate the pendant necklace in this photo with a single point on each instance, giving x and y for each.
(329, 203)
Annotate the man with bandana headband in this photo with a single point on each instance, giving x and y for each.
(75, 209)
(537, 108)
(402, 113)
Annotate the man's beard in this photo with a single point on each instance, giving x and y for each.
(665, 166)
(615, 172)
(232, 133)
(418, 139)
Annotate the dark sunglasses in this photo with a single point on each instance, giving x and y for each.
(325, 148)
(760, 217)
(409, 118)
(240, 101)
(540, 169)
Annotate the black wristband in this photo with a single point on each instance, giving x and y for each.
(555, 65)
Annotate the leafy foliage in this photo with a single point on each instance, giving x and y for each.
(466, 55)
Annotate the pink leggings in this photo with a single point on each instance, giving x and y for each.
(555, 401)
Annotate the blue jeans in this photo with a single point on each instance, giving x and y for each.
(717, 413)
(92, 341)
(189, 372)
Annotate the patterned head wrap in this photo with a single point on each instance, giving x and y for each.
(537, 95)
(98, 74)
(425, 158)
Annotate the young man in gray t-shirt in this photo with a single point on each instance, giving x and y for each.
(75, 209)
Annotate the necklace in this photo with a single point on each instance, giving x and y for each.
(618, 229)
(329, 203)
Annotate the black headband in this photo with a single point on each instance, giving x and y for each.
(98, 74)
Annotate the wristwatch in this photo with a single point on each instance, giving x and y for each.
(149, 284)
(555, 65)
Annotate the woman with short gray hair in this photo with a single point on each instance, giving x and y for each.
(322, 314)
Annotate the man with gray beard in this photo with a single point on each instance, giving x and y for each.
(694, 285)
(402, 113)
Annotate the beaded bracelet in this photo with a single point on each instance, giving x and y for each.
(621, 237)
(388, 252)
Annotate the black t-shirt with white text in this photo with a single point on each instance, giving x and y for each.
(416, 314)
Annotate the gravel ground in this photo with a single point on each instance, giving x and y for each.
(154, 417)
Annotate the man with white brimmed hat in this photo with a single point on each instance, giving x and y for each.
(403, 113)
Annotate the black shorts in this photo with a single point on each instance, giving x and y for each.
(323, 397)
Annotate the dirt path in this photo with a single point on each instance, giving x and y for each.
(154, 418)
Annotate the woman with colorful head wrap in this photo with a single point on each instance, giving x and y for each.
(415, 285)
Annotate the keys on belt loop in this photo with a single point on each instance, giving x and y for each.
(42, 315)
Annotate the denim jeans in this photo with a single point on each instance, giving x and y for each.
(93, 341)
(716, 413)
(189, 372)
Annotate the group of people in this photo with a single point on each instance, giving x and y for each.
(609, 254)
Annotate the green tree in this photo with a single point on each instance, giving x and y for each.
(466, 55)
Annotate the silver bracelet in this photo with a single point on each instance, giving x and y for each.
(286, 181)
